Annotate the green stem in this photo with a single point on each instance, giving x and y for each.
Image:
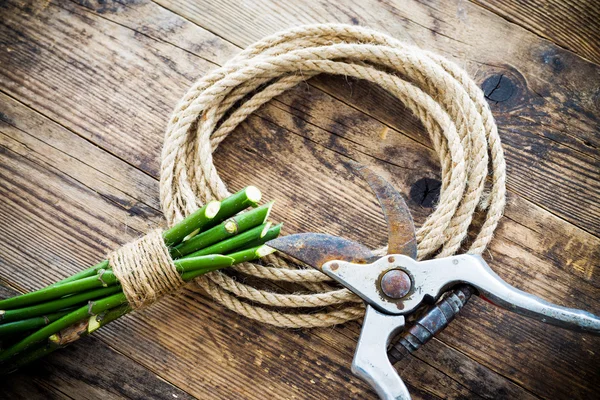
(253, 253)
(103, 278)
(11, 328)
(235, 242)
(188, 276)
(85, 273)
(238, 224)
(247, 197)
(235, 258)
(190, 268)
(94, 307)
(46, 309)
(32, 354)
(271, 234)
(202, 263)
(195, 221)
(56, 305)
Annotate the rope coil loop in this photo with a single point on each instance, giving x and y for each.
(439, 93)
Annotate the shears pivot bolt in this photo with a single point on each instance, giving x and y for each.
(395, 284)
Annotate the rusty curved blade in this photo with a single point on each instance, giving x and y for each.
(315, 249)
(401, 228)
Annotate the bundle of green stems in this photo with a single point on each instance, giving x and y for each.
(216, 236)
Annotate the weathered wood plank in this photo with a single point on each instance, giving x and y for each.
(488, 384)
(271, 147)
(570, 24)
(48, 189)
(538, 169)
(116, 108)
(36, 390)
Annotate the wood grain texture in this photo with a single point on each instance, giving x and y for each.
(88, 87)
(574, 24)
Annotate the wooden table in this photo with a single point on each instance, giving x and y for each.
(86, 91)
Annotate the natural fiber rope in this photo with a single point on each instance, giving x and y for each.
(145, 270)
(447, 102)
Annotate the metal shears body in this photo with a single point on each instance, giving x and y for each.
(396, 285)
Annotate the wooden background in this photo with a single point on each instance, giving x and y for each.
(86, 90)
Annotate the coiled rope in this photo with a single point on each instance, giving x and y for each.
(447, 102)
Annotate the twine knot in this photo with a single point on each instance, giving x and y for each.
(145, 270)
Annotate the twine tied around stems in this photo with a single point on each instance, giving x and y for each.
(444, 98)
(145, 269)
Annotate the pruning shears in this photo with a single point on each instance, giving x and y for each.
(397, 286)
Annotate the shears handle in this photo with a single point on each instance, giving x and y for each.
(473, 270)
(371, 361)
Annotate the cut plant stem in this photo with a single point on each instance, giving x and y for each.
(235, 242)
(237, 224)
(195, 221)
(271, 234)
(86, 326)
(23, 325)
(103, 278)
(57, 305)
(94, 307)
(188, 276)
(237, 257)
(247, 197)
(251, 254)
(98, 321)
(202, 263)
(35, 324)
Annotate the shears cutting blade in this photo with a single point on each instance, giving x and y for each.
(396, 285)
